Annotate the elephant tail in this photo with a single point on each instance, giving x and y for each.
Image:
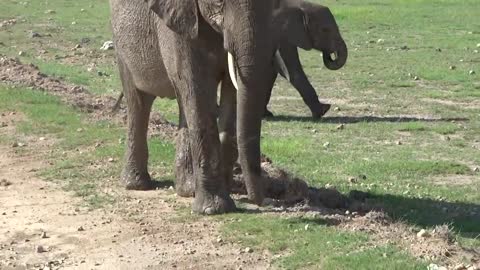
(116, 107)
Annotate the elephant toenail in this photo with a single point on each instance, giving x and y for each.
(209, 211)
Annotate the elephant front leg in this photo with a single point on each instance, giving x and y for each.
(135, 173)
(196, 91)
(226, 126)
(184, 178)
(298, 78)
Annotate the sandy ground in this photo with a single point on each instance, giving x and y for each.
(44, 227)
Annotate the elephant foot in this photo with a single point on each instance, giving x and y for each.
(321, 110)
(211, 204)
(185, 185)
(133, 180)
(255, 191)
(267, 113)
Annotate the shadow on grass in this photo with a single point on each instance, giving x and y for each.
(161, 184)
(463, 218)
(360, 119)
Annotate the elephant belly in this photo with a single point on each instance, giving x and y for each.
(136, 44)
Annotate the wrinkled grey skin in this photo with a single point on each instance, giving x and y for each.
(179, 50)
(308, 26)
(297, 24)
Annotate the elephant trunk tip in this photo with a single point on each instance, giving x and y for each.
(335, 60)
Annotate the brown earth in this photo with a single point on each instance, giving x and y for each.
(44, 226)
(147, 230)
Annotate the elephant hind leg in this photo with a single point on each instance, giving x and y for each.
(227, 129)
(135, 174)
(184, 177)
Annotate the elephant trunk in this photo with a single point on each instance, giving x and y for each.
(336, 59)
(251, 62)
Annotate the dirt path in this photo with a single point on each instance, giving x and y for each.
(44, 227)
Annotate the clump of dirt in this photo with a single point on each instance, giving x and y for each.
(99, 107)
(289, 191)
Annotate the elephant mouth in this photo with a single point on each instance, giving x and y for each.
(336, 59)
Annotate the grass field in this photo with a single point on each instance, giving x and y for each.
(409, 99)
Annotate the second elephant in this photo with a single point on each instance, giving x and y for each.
(308, 26)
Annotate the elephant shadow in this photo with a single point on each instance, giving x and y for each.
(361, 119)
(461, 217)
(161, 184)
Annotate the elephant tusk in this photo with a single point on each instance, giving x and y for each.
(232, 70)
(334, 56)
(281, 65)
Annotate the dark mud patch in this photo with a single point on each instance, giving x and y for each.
(285, 190)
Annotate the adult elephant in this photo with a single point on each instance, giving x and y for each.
(308, 26)
(180, 50)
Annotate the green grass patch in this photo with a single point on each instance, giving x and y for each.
(321, 246)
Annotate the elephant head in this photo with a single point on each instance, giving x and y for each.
(247, 37)
(312, 26)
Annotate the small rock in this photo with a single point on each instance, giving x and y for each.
(329, 186)
(219, 240)
(452, 67)
(44, 235)
(352, 180)
(21, 53)
(82, 10)
(18, 144)
(416, 78)
(380, 40)
(33, 34)
(478, 45)
(248, 250)
(111, 160)
(438, 50)
(79, 129)
(74, 23)
(336, 109)
(398, 143)
(471, 72)
(107, 45)
(40, 249)
(347, 212)
(404, 47)
(422, 233)
(41, 139)
(78, 46)
(50, 11)
(307, 227)
(80, 229)
(327, 144)
(340, 127)
(476, 169)
(5, 183)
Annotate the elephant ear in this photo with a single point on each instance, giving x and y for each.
(296, 28)
(179, 15)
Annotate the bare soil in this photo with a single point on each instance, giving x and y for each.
(42, 225)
